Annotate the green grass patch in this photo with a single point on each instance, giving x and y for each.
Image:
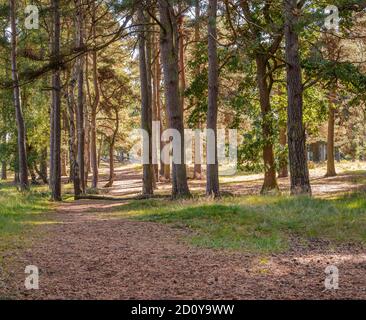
(255, 223)
(19, 212)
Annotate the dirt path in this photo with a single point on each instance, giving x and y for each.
(90, 256)
(86, 254)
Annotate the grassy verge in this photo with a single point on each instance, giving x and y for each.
(259, 224)
(20, 212)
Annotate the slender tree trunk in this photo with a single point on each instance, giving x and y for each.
(283, 170)
(197, 171)
(300, 182)
(56, 107)
(169, 52)
(112, 144)
(80, 99)
(156, 76)
(182, 71)
(100, 151)
(111, 164)
(43, 166)
(212, 186)
(146, 106)
(4, 175)
(63, 164)
(270, 180)
(74, 166)
(22, 153)
(86, 145)
(95, 105)
(331, 171)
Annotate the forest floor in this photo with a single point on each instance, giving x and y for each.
(244, 247)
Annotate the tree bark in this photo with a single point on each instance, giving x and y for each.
(95, 105)
(212, 185)
(43, 166)
(300, 182)
(270, 180)
(169, 46)
(80, 97)
(112, 143)
(146, 105)
(331, 171)
(4, 175)
(22, 153)
(283, 170)
(74, 166)
(56, 107)
(197, 170)
(156, 116)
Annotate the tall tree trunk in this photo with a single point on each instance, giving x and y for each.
(331, 171)
(270, 180)
(156, 76)
(169, 53)
(22, 153)
(74, 166)
(4, 175)
(111, 164)
(63, 164)
(197, 170)
(86, 145)
(146, 106)
(43, 166)
(283, 170)
(80, 99)
(56, 107)
(212, 186)
(182, 71)
(112, 142)
(94, 108)
(300, 182)
(100, 151)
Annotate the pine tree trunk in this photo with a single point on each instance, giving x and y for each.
(270, 180)
(300, 182)
(169, 46)
(156, 76)
(331, 171)
(4, 175)
(80, 97)
(22, 153)
(197, 170)
(283, 170)
(146, 105)
(111, 165)
(212, 186)
(56, 107)
(95, 105)
(63, 164)
(74, 167)
(43, 166)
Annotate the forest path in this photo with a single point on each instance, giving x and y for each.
(86, 254)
